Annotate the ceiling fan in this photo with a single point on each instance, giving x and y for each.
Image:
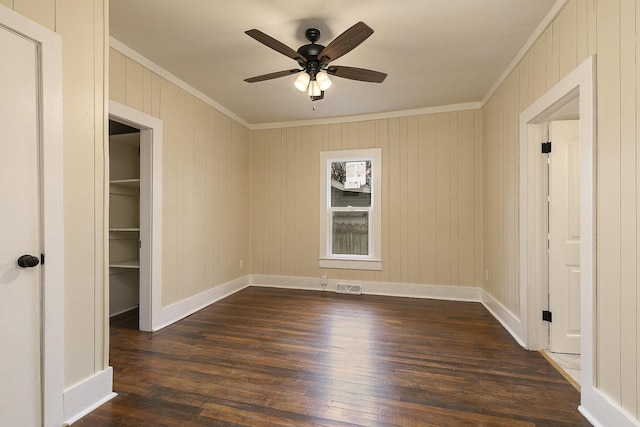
(315, 58)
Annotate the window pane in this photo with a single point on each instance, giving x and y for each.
(351, 184)
(351, 233)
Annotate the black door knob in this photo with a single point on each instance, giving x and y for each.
(27, 261)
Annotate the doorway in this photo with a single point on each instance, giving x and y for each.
(136, 233)
(575, 90)
(125, 242)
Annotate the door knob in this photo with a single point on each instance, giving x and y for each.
(27, 261)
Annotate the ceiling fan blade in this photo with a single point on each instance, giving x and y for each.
(271, 76)
(360, 74)
(345, 42)
(275, 45)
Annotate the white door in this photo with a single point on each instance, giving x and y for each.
(564, 237)
(20, 320)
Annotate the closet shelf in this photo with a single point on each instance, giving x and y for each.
(134, 182)
(125, 187)
(125, 229)
(134, 263)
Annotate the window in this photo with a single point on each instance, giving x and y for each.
(350, 209)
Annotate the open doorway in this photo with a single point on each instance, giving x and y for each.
(125, 221)
(135, 211)
(571, 98)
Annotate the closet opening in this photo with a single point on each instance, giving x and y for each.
(134, 209)
(124, 220)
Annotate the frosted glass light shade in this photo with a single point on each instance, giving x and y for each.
(323, 80)
(302, 82)
(314, 89)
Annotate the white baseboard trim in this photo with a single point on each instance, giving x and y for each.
(181, 309)
(123, 311)
(286, 282)
(408, 290)
(509, 321)
(87, 395)
(601, 411)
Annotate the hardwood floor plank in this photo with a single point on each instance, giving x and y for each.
(277, 357)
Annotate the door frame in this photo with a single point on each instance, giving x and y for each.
(52, 219)
(150, 210)
(580, 83)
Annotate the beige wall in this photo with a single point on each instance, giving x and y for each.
(205, 181)
(83, 26)
(618, 191)
(565, 44)
(582, 28)
(431, 197)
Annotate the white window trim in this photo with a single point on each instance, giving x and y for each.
(373, 261)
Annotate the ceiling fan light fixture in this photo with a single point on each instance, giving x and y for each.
(323, 80)
(314, 88)
(302, 82)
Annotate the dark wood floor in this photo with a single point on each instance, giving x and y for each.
(273, 357)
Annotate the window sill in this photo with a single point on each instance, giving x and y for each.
(351, 264)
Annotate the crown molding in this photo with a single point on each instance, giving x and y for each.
(374, 116)
(146, 62)
(548, 19)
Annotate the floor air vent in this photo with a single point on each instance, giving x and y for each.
(348, 289)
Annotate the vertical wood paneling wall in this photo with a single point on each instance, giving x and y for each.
(206, 181)
(612, 29)
(618, 46)
(431, 197)
(567, 42)
(83, 28)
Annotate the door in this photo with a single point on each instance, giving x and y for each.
(564, 237)
(20, 300)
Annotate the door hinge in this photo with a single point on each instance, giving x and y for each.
(546, 316)
(546, 147)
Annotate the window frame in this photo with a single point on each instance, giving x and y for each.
(372, 261)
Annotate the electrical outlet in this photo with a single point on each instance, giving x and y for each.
(324, 280)
(241, 263)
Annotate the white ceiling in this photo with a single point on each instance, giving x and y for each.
(435, 52)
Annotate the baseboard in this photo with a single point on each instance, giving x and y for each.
(123, 311)
(509, 321)
(181, 309)
(87, 395)
(409, 290)
(601, 411)
(174, 312)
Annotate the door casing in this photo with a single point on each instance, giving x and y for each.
(579, 84)
(150, 211)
